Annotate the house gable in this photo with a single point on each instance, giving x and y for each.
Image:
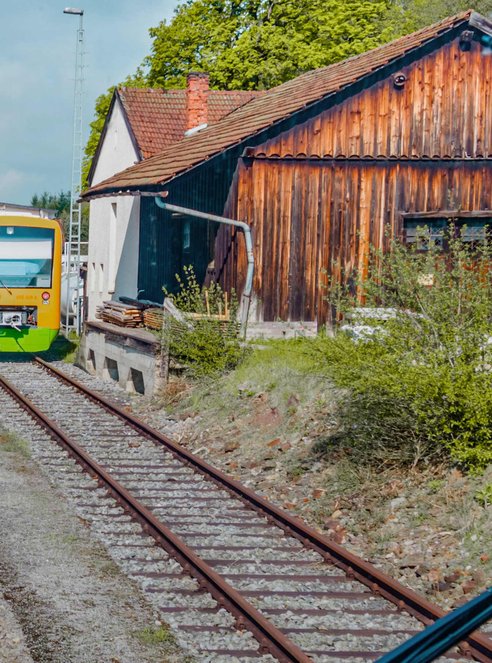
(117, 148)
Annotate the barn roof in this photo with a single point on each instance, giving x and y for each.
(275, 105)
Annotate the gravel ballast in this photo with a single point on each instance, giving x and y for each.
(104, 440)
(63, 600)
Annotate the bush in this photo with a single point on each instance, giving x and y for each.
(422, 386)
(206, 345)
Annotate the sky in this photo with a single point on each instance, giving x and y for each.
(37, 71)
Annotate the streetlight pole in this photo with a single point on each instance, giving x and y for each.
(73, 243)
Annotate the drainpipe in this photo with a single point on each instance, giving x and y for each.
(246, 296)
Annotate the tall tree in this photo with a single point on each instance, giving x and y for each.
(256, 44)
(60, 202)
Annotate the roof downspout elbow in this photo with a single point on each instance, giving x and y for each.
(248, 288)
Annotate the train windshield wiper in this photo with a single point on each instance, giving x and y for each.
(6, 287)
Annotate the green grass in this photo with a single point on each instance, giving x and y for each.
(155, 635)
(13, 444)
(279, 368)
(63, 349)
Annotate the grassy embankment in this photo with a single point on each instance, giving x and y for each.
(279, 423)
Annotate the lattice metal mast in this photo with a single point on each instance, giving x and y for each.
(74, 229)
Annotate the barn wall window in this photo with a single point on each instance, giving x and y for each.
(423, 230)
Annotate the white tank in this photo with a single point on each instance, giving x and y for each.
(71, 282)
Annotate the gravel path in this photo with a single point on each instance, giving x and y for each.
(62, 599)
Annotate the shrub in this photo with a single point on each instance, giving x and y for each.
(206, 345)
(422, 387)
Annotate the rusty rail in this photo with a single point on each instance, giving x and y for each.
(270, 638)
(476, 645)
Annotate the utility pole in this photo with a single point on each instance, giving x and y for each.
(72, 255)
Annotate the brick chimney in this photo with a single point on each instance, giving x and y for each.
(196, 100)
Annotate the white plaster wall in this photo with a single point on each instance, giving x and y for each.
(112, 268)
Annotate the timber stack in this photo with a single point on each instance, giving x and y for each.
(117, 313)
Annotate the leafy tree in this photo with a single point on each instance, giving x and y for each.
(405, 16)
(256, 44)
(59, 202)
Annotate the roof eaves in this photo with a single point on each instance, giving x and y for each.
(480, 22)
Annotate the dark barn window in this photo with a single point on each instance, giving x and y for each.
(427, 229)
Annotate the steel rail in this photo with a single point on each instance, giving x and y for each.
(270, 638)
(378, 582)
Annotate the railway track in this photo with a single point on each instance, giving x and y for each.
(238, 578)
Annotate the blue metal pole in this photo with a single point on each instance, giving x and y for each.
(444, 633)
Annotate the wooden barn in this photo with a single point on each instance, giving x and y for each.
(321, 166)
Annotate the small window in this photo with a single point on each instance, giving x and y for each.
(424, 232)
(101, 277)
(473, 229)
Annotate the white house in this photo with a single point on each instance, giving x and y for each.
(140, 123)
(14, 209)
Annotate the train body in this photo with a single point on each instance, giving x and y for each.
(30, 282)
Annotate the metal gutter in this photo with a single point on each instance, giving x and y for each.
(246, 296)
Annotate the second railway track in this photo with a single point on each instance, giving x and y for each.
(238, 578)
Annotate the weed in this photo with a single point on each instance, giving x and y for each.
(484, 495)
(13, 444)
(154, 635)
(297, 470)
(420, 389)
(207, 341)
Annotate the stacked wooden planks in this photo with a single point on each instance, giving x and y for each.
(152, 318)
(124, 315)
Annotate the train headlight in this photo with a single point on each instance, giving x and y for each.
(46, 296)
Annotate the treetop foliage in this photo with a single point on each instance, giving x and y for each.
(59, 202)
(257, 44)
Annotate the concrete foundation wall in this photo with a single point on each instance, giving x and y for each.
(130, 357)
(280, 329)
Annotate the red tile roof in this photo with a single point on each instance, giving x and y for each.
(277, 104)
(158, 117)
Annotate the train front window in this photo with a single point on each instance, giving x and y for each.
(26, 256)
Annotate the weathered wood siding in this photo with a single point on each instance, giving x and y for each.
(444, 109)
(318, 195)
